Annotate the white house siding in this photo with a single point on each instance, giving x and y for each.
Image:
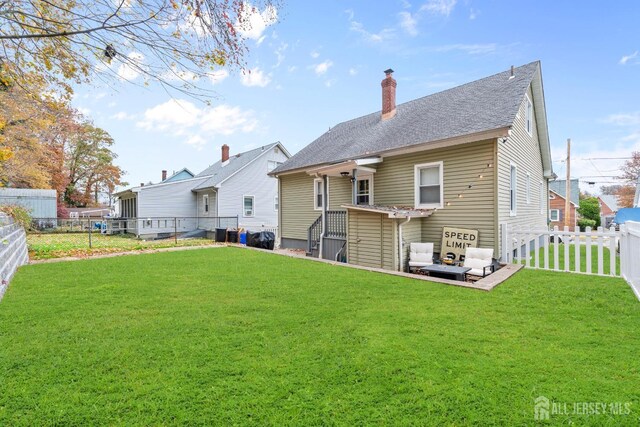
(40, 203)
(524, 151)
(252, 181)
(170, 200)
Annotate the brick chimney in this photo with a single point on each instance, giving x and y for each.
(164, 175)
(225, 153)
(388, 95)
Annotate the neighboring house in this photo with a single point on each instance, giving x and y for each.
(608, 208)
(476, 156)
(557, 203)
(40, 203)
(184, 173)
(94, 212)
(235, 186)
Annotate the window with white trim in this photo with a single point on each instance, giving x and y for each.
(247, 206)
(364, 191)
(528, 188)
(276, 203)
(205, 203)
(513, 191)
(318, 194)
(542, 198)
(429, 185)
(529, 116)
(272, 164)
(554, 214)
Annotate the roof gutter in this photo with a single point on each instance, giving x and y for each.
(430, 145)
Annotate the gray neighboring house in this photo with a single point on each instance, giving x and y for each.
(235, 186)
(40, 203)
(476, 156)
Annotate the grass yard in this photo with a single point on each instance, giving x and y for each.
(57, 245)
(227, 336)
(606, 259)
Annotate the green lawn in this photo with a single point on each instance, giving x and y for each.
(606, 259)
(228, 336)
(56, 245)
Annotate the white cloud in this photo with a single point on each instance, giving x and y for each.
(255, 77)
(174, 115)
(182, 118)
(218, 76)
(358, 27)
(84, 111)
(253, 22)
(473, 14)
(322, 67)
(472, 49)
(353, 71)
(330, 82)
(292, 68)
(625, 59)
(122, 115)
(112, 104)
(130, 69)
(314, 54)
(279, 52)
(227, 120)
(408, 23)
(439, 7)
(624, 119)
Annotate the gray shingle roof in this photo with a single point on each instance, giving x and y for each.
(219, 173)
(486, 104)
(559, 187)
(611, 201)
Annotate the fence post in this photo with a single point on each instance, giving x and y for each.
(175, 230)
(89, 224)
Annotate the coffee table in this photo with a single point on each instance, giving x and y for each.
(446, 271)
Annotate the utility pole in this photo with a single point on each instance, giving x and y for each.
(567, 200)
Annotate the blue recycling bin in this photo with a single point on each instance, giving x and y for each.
(243, 238)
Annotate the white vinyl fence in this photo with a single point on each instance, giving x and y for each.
(563, 250)
(630, 254)
(586, 252)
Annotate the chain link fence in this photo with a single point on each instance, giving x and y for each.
(55, 237)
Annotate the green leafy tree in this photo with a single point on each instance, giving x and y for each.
(590, 209)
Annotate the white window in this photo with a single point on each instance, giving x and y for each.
(364, 191)
(528, 188)
(205, 202)
(554, 214)
(542, 199)
(276, 203)
(529, 117)
(428, 185)
(513, 192)
(272, 164)
(247, 204)
(318, 194)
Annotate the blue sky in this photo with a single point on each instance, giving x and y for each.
(322, 63)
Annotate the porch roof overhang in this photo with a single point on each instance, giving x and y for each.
(128, 192)
(338, 169)
(392, 211)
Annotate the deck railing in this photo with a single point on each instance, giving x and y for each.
(336, 224)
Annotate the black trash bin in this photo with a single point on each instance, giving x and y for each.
(261, 239)
(221, 235)
(232, 236)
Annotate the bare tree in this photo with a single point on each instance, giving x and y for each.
(176, 43)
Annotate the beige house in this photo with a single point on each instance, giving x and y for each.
(476, 157)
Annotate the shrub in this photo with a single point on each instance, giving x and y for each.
(584, 223)
(19, 214)
(590, 209)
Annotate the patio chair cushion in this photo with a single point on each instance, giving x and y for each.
(421, 254)
(478, 258)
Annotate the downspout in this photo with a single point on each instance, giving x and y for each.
(400, 251)
(325, 202)
(354, 186)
